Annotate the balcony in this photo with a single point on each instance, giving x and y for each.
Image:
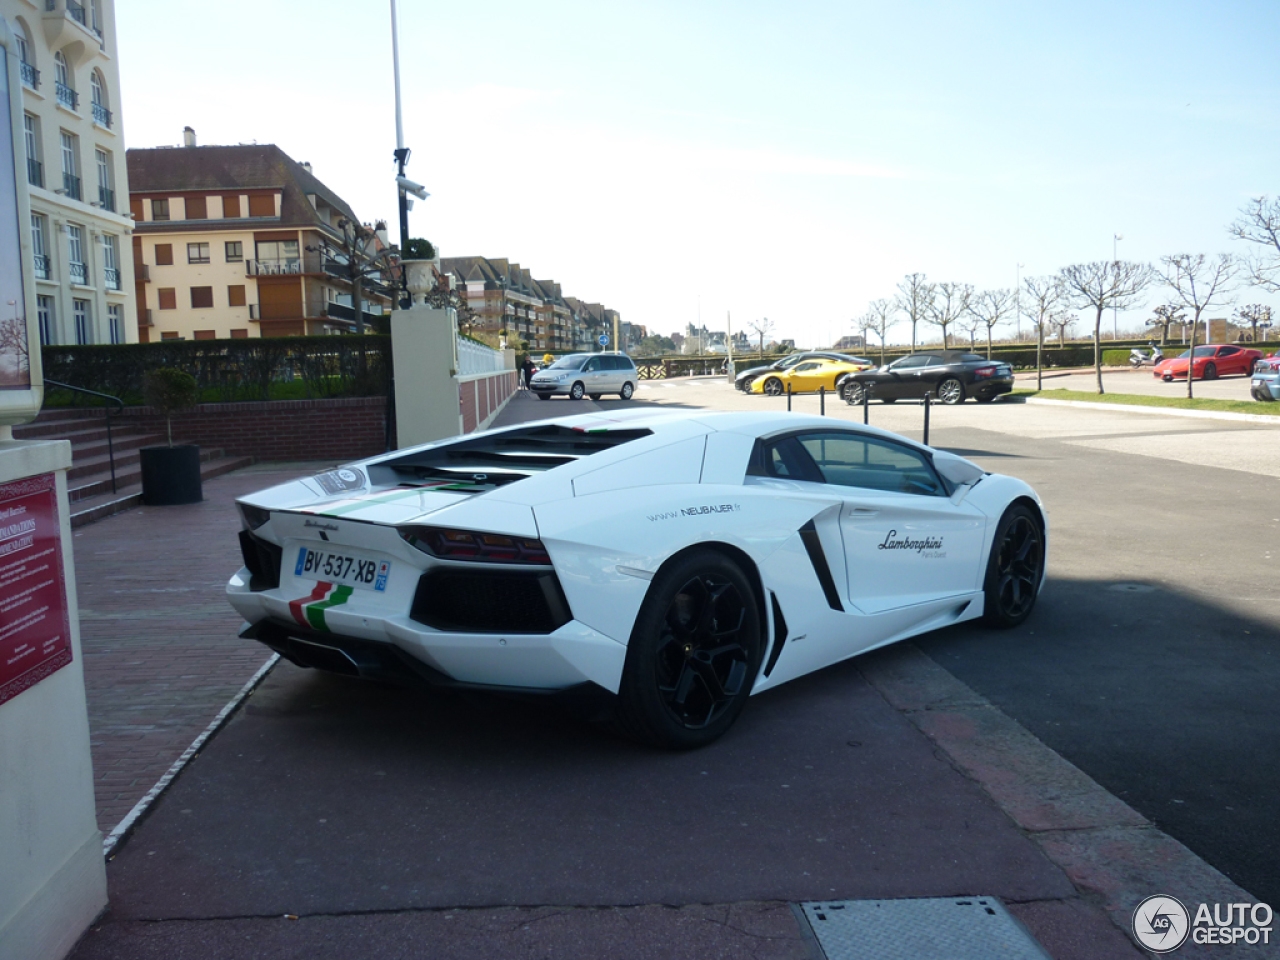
(41, 267)
(35, 173)
(141, 272)
(71, 185)
(66, 21)
(113, 277)
(101, 115)
(340, 311)
(78, 273)
(66, 96)
(30, 75)
(107, 199)
(144, 318)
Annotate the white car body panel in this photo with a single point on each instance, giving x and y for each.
(897, 563)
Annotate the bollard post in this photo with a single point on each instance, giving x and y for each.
(788, 398)
(822, 401)
(926, 419)
(866, 396)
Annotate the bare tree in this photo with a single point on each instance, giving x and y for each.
(1255, 315)
(1118, 284)
(992, 307)
(1061, 321)
(763, 327)
(1165, 317)
(13, 342)
(949, 303)
(1198, 282)
(1259, 223)
(878, 319)
(1044, 294)
(915, 293)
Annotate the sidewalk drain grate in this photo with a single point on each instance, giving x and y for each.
(963, 928)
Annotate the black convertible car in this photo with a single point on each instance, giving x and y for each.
(949, 376)
(743, 379)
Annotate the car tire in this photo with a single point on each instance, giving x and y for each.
(950, 390)
(984, 399)
(853, 393)
(543, 396)
(1263, 395)
(745, 384)
(889, 400)
(1015, 568)
(694, 653)
(628, 390)
(1210, 371)
(577, 391)
(773, 387)
(595, 396)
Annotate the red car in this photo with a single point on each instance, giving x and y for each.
(1211, 361)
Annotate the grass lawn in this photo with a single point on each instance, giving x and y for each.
(1175, 403)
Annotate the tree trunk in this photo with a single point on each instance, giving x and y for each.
(988, 341)
(1039, 351)
(1097, 349)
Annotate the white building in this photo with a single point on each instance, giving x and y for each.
(80, 228)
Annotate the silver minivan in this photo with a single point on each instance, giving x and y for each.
(587, 374)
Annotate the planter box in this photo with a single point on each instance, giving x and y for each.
(171, 475)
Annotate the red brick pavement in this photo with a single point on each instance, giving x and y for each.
(161, 651)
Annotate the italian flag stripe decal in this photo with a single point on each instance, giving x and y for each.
(309, 610)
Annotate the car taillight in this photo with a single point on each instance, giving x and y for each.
(471, 545)
(253, 517)
(983, 372)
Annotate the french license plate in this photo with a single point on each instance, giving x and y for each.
(346, 568)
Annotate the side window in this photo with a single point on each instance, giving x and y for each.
(807, 366)
(910, 363)
(1228, 351)
(850, 460)
(591, 365)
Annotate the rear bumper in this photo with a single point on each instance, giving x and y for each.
(990, 388)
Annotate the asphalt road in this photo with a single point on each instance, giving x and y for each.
(1153, 660)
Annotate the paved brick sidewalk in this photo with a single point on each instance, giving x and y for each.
(161, 654)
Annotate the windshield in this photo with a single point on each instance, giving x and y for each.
(1200, 352)
(573, 361)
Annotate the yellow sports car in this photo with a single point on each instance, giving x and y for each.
(807, 377)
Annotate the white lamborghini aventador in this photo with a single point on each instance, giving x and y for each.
(677, 563)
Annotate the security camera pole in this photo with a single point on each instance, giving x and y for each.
(402, 155)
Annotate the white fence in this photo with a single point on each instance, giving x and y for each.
(475, 359)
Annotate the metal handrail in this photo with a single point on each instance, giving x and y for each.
(108, 412)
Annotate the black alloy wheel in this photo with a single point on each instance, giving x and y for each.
(1014, 569)
(745, 384)
(773, 387)
(1211, 371)
(694, 653)
(577, 391)
(951, 390)
(627, 391)
(853, 392)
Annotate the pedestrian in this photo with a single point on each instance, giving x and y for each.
(526, 369)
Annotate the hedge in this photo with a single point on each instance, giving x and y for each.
(325, 366)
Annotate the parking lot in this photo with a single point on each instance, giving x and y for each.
(1149, 665)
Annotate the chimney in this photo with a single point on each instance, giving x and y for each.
(306, 165)
(188, 137)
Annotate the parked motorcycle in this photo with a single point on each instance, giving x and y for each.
(1142, 358)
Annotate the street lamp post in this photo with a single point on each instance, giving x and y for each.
(1017, 304)
(1115, 267)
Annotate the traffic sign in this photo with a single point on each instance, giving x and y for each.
(604, 339)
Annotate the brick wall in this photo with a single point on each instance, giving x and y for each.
(480, 398)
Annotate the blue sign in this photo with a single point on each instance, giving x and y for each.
(604, 339)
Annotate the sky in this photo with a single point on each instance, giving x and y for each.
(735, 162)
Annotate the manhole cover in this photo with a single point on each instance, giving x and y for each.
(965, 928)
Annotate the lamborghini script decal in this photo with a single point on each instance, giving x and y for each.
(926, 546)
(695, 511)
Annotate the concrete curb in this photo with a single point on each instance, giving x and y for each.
(1161, 411)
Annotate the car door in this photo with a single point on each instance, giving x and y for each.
(1231, 360)
(905, 541)
(903, 378)
(803, 376)
(594, 377)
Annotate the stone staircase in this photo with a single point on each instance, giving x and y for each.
(89, 486)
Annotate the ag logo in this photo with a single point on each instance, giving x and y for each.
(1161, 924)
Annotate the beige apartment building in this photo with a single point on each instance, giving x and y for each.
(243, 241)
(74, 145)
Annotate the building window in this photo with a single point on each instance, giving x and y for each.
(115, 319)
(170, 335)
(80, 312)
(159, 209)
(164, 254)
(278, 256)
(201, 297)
(168, 298)
(31, 134)
(197, 208)
(101, 115)
(106, 195)
(70, 164)
(39, 246)
(62, 82)
(231, 208)
(239, 334)
(262, 205)
(205, 335)
(111, 262)
(197, 253)
(235, 251)
(235, 295)
(30, 75)
(75, 255)
(44, 317)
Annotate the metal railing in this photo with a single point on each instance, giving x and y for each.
(35, 172)
(30, 75)
(112, 276)
(41, 266)
(66, 96)
(107, 199)
(102, 115)
(71, 185)
(108, 411)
